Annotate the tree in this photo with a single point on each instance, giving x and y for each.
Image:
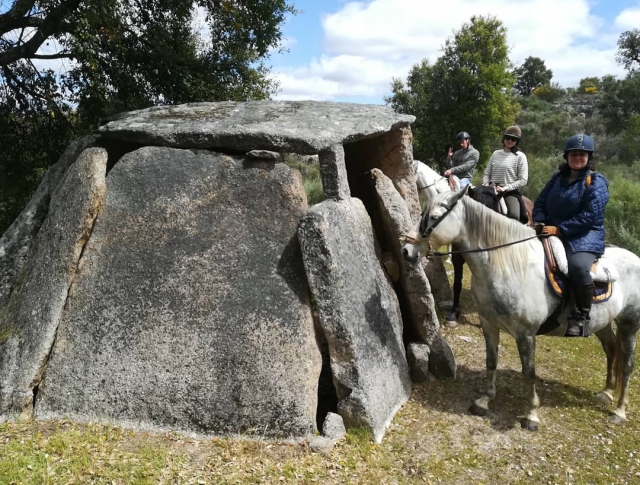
(467, 88)
(629, 50)
(119, 55)
(530, 75)
(619, 102)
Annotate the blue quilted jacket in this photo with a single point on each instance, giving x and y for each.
(576, 210)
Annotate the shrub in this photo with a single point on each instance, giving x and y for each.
(310, 177)
(549, 92)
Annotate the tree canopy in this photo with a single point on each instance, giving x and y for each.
(530, 75)
(118, 55)
(468, 89)
(629, 49)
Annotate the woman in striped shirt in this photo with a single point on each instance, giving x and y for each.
(509, 171)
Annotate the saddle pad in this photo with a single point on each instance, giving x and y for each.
(601, 290)
(503, 206)
(602, 271)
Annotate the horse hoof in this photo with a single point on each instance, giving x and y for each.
(529, 425)
(477, 410)
(615, 419)
(604, 398)
(451, 319)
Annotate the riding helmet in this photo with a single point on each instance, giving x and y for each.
(514, 131)
(579, 142)
(463, 135)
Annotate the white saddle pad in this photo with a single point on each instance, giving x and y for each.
(605, 270)
(503, 207)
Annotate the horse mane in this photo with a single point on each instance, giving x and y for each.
(489, 229)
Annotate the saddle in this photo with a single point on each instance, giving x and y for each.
(603, 272)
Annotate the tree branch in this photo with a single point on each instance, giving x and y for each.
(49, 26)
(17, 13)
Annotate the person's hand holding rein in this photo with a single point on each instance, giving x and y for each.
(550, 231)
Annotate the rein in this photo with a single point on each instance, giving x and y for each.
(431, 184)
(464, 251)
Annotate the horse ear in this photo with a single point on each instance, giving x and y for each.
(453, 199)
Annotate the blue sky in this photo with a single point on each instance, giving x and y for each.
(349, 51)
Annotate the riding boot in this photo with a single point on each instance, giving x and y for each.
(578, 322)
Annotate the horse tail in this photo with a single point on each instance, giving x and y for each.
(618, 362)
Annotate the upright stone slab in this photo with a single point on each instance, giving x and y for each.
(415, 285)
(358, 311)
(18, 238)
(29, 321)
(191, 310)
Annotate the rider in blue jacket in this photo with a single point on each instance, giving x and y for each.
(571, 205)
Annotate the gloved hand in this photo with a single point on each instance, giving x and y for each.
(550, 231)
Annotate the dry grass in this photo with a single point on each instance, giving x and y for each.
(432, 439)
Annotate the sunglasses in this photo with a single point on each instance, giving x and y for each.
(511, 138)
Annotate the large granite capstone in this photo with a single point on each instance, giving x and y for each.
(305, 127)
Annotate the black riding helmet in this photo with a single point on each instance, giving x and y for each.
(463, 135)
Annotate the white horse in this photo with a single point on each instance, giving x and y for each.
(430, 183)
(511, 293)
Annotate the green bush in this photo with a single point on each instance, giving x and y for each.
(310, 176)
(622, 214)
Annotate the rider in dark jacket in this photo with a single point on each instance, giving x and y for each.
(574, 210)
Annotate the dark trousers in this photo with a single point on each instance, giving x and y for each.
(580, 267)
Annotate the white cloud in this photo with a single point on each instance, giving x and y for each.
(367, 44)
(628, 19)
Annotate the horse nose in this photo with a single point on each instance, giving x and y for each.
(407, 256)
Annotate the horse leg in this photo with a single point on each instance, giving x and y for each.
(625, 350)
(608, 341)
(527, 350)
(458, 266)
(480, 407)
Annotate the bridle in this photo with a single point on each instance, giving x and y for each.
(425, 232)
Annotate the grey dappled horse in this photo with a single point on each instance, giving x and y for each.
(511, 293)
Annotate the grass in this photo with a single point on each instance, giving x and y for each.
(432, 439)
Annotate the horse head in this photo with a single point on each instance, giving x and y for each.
(439, 224)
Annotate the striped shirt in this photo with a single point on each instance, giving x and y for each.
(507, 169)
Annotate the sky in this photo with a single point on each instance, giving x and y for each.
(350, 51)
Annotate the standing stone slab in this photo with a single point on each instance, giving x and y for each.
(191, 310)
(28, 322)
(17, 239)
(415, 285)
(358, 311)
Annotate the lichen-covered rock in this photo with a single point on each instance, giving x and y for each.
(304, 127)
(191, 310)
(17, 239)
(358, 312)
(415, 285)
(418, 359)
(333, 427)
(29, 320)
